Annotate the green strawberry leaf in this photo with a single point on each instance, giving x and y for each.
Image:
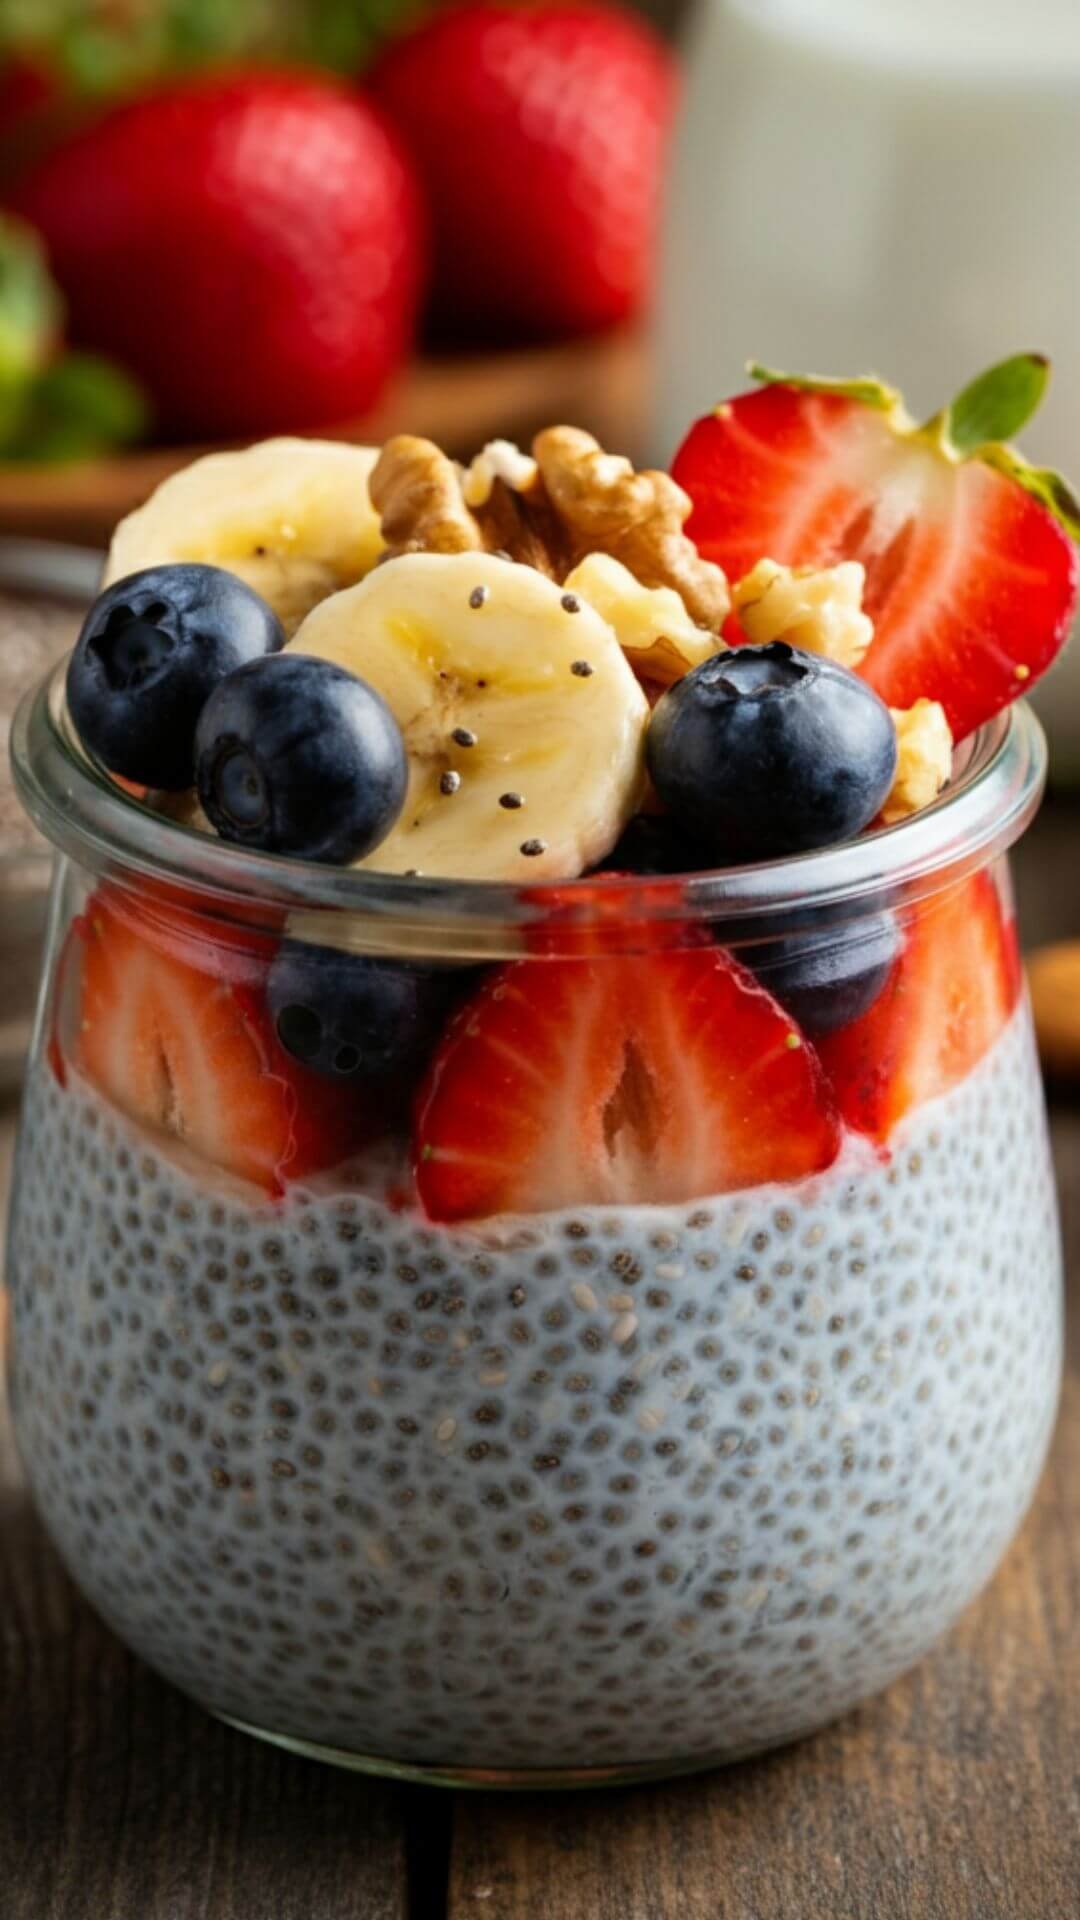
(867, 389)
(993, 407)
(979, 423)
(79, 406)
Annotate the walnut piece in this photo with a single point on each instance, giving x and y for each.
(924, 758)
(499, 460)
(816, 608)
(416, 491)
(651, 624)
(637, 518)
(569, 501)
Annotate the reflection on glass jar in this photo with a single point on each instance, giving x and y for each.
(605, 1328)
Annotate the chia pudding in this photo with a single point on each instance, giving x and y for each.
(599, 1489)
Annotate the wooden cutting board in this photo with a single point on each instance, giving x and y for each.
(459, 401)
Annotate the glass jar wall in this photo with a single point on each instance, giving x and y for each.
(580, 1331)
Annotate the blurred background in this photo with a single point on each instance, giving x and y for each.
(220, 222)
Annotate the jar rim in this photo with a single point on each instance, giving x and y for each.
(998, 778)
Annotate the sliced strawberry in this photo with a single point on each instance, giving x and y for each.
(188, 1050)
(583, 921)
(183, 925)
(951, 992)
(652, 1078)
(971, 580)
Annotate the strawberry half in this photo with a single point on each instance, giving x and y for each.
(189, 1050)
(950, 994)
(647, 1079)
(971, 576)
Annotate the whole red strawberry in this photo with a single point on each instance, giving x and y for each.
(249, 243)
(540, 133)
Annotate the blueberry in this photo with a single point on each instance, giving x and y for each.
(346, 1014)
(830, 976)
(765, 751)
(649, 843)
(151, 651)
(295, 755)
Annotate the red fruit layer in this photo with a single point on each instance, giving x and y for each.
(950, 994)
(583, 921)
(248, 243)
(645, 1080)
(188, 1050)
(970, 582)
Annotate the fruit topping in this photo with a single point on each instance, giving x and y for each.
(349, 1015)
(539, 133)
(293, 518)
(523, 722)
(526, 612)
(971, 576)
(296, 755)
(638, 1080)
(188, 1050)
(571, 501)
(765, 751)
(828, 976)
(923, 759)
(152, 649)
(818, 609)
(950, 992)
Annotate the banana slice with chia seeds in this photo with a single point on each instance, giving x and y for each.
(293, 518)
(523, 722)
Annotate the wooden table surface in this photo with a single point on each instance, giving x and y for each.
(956, 1796)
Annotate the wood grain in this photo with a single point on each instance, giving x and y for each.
(955, 1797)
(120, 1799)
(461, 402)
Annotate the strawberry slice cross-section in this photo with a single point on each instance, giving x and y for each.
(950, 994)
(971, 574)
(649, 1079)
(174, 1032)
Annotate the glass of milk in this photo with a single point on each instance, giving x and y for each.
(882, 185)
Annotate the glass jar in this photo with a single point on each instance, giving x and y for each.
(45, 589)
(703, 1445)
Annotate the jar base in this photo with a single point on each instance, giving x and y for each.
(492, 1779)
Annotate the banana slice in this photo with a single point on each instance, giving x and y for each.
(291, 517)
(524, 724)
(653, 627)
